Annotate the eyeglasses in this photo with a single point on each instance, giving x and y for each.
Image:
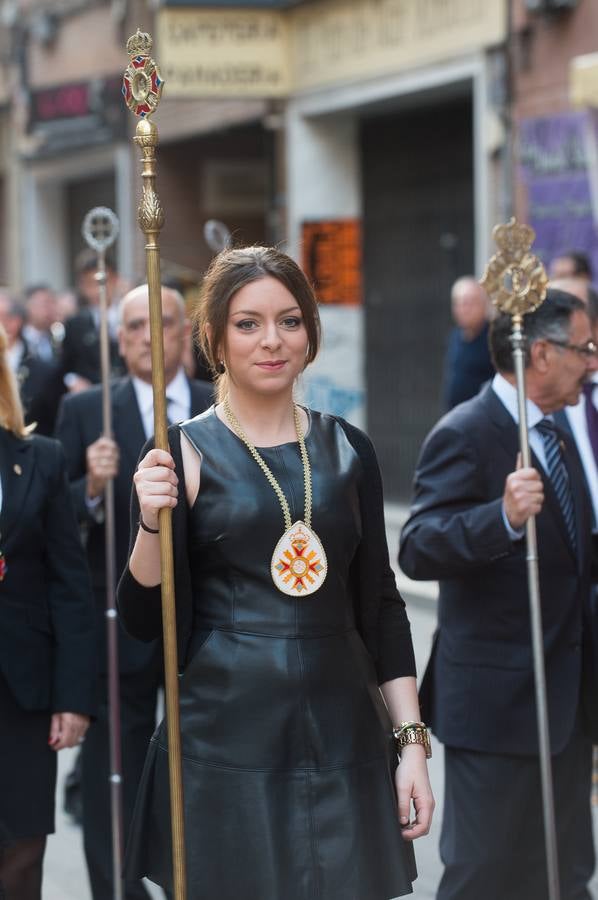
(586, 350)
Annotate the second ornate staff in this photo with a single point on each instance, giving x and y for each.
(516, 281)
(142, 88)
(100, 230)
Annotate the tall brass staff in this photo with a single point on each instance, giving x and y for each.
(516, 281)
(100, 230)
(142, 88)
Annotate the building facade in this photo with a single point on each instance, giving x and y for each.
(555, 91)
(371, 138)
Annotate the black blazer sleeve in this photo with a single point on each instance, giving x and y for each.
(140, 607)
(452, 527)
(68, 431)
(69, 593)
(380, 611)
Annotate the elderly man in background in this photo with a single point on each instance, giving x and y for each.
(467, 363)
(93, 459)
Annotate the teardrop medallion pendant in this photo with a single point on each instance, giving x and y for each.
(299, 564)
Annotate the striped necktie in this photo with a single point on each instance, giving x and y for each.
(558, 474)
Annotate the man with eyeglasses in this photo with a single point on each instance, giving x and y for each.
(92, 460)
(581, 419)
(466, 530)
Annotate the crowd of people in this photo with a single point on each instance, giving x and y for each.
(304, 747)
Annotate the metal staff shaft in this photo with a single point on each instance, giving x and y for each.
(142, 86)
(552, 865)
(152, 255)
(111, 615)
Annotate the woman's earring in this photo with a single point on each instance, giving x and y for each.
(221, 368)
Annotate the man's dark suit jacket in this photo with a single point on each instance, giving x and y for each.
(81, 348)
(47, 640)
(79, 425)
(40, 387)
(479, 684)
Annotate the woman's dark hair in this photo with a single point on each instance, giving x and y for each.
(228, 273)
(551, 321)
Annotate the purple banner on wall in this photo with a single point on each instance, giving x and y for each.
(553, 155)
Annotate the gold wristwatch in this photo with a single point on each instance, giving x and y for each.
(412, 733)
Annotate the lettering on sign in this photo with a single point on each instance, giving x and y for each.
(207, 52)
(345, 39)
(269, 53)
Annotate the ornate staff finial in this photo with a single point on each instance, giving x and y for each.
(142, 90)
(100, 228)
(515, 279)
(142, 82)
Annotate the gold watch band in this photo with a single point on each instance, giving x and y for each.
(412, 733)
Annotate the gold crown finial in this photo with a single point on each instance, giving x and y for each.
(515, 279)
(139, 44)
(142, 82)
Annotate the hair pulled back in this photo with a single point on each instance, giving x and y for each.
(228, 273)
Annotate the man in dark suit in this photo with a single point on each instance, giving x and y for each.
(81, 342)
(467, 364)
(466, 530)
(92, 460)
(39, 381)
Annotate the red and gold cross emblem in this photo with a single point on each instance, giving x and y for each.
(301, 564)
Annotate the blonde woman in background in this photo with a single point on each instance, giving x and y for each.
(47, 665)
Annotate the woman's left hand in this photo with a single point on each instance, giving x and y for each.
(67, 730)
(413, 786)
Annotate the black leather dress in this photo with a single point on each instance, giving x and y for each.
(288, 761)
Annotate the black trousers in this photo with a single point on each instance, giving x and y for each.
(492, 840)
(138, 697)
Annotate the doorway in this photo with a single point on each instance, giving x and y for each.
(418, 226)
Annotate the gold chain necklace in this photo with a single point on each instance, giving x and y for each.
(298, 566)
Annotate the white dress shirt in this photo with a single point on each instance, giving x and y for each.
(507, 394)
(39, 342)
(178, 399)
(14, 355)
(579, 426)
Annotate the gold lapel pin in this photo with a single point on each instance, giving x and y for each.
(17, 469)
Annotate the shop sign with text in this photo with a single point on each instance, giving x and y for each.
(211, 51)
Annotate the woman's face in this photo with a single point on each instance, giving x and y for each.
(265, 339)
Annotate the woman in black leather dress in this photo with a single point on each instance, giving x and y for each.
(288, 618)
